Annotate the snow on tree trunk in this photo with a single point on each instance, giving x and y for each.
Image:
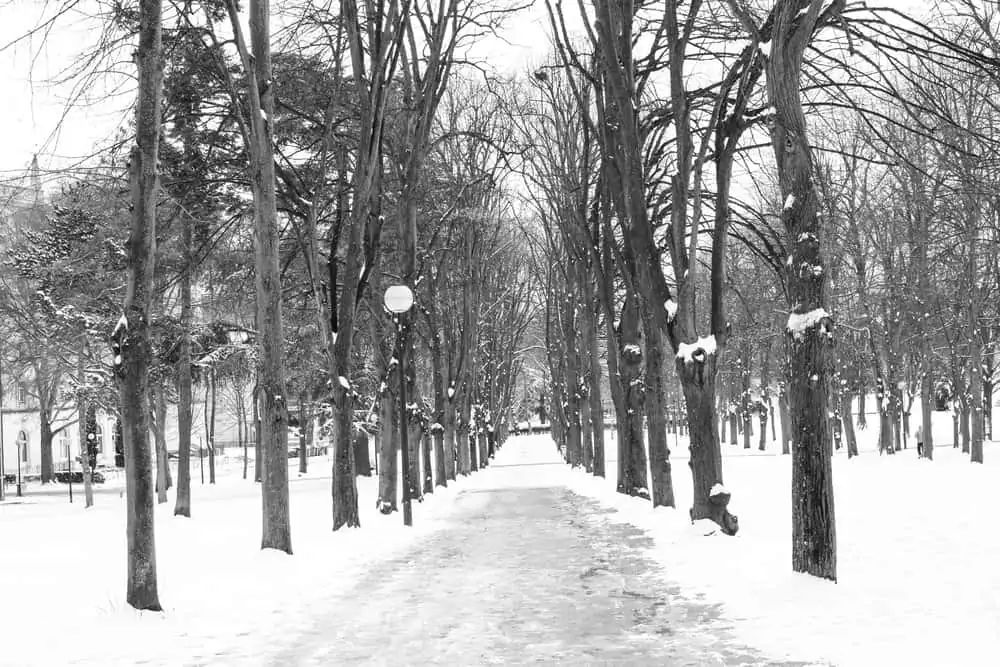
(130, 340)
(809, 335)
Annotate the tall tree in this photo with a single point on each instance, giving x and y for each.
(258, 134)
(130, 338)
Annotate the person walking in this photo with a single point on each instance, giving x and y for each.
(919, 436)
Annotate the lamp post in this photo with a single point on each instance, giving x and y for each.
(398, 300)
(22, 442)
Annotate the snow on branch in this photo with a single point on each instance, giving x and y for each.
(798, 323)
(698, 350)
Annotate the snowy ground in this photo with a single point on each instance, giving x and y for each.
(918, 582)
(917, 549)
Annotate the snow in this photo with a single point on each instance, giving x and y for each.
(632, 348)
(343, 382)
(121, 324)
(799, 322)
(451, 392)
(929, 577)
(225, 601)
(789, 201)
(671, 307)
(765, 48)
(263, 114)
(697, 351)
(717, 489)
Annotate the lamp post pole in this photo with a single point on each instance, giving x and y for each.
(404, 445)
(398, 300)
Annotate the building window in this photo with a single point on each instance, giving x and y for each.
(64, 446)
(100, 439)
(22, 439)
(20, 396)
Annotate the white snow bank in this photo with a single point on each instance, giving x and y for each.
(799, 322)
(929, 577)
(697, 351)
(225, 601)
(717, 489)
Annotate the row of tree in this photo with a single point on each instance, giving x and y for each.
(649, 134)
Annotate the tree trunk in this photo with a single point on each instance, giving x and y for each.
(182, 501)
(656, 415)
(451, 452)
(976, 398)
(130, 339)
(303, 430)
(425, 447)
(440, 467)
(160, 435)
(964, 425)
(45, 445)
(388, 469)
(258, 461)
(925, 414)
(86, 434)
(786, 422)
(697, 375)
(846, 414)
(632, 449)
(587, 432)
(596, 408)
(809, 334)
(210, 425)
(276, 521)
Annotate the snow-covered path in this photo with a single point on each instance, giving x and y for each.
(525, 572)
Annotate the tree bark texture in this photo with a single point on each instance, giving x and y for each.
(182, 501)
(809, 336)
(632, 449)
(388, 469)
(160, 436)
(131, 337)
(276, 520)
(697, 375)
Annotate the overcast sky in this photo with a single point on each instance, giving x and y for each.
(34, 116)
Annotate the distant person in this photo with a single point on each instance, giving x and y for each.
(919, 436)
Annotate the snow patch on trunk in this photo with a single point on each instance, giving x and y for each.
(798, 323)
(698, 350)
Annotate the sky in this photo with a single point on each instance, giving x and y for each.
(35, 117)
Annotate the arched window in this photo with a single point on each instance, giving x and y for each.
(22, 442)
(64, 446)
(100, 439)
